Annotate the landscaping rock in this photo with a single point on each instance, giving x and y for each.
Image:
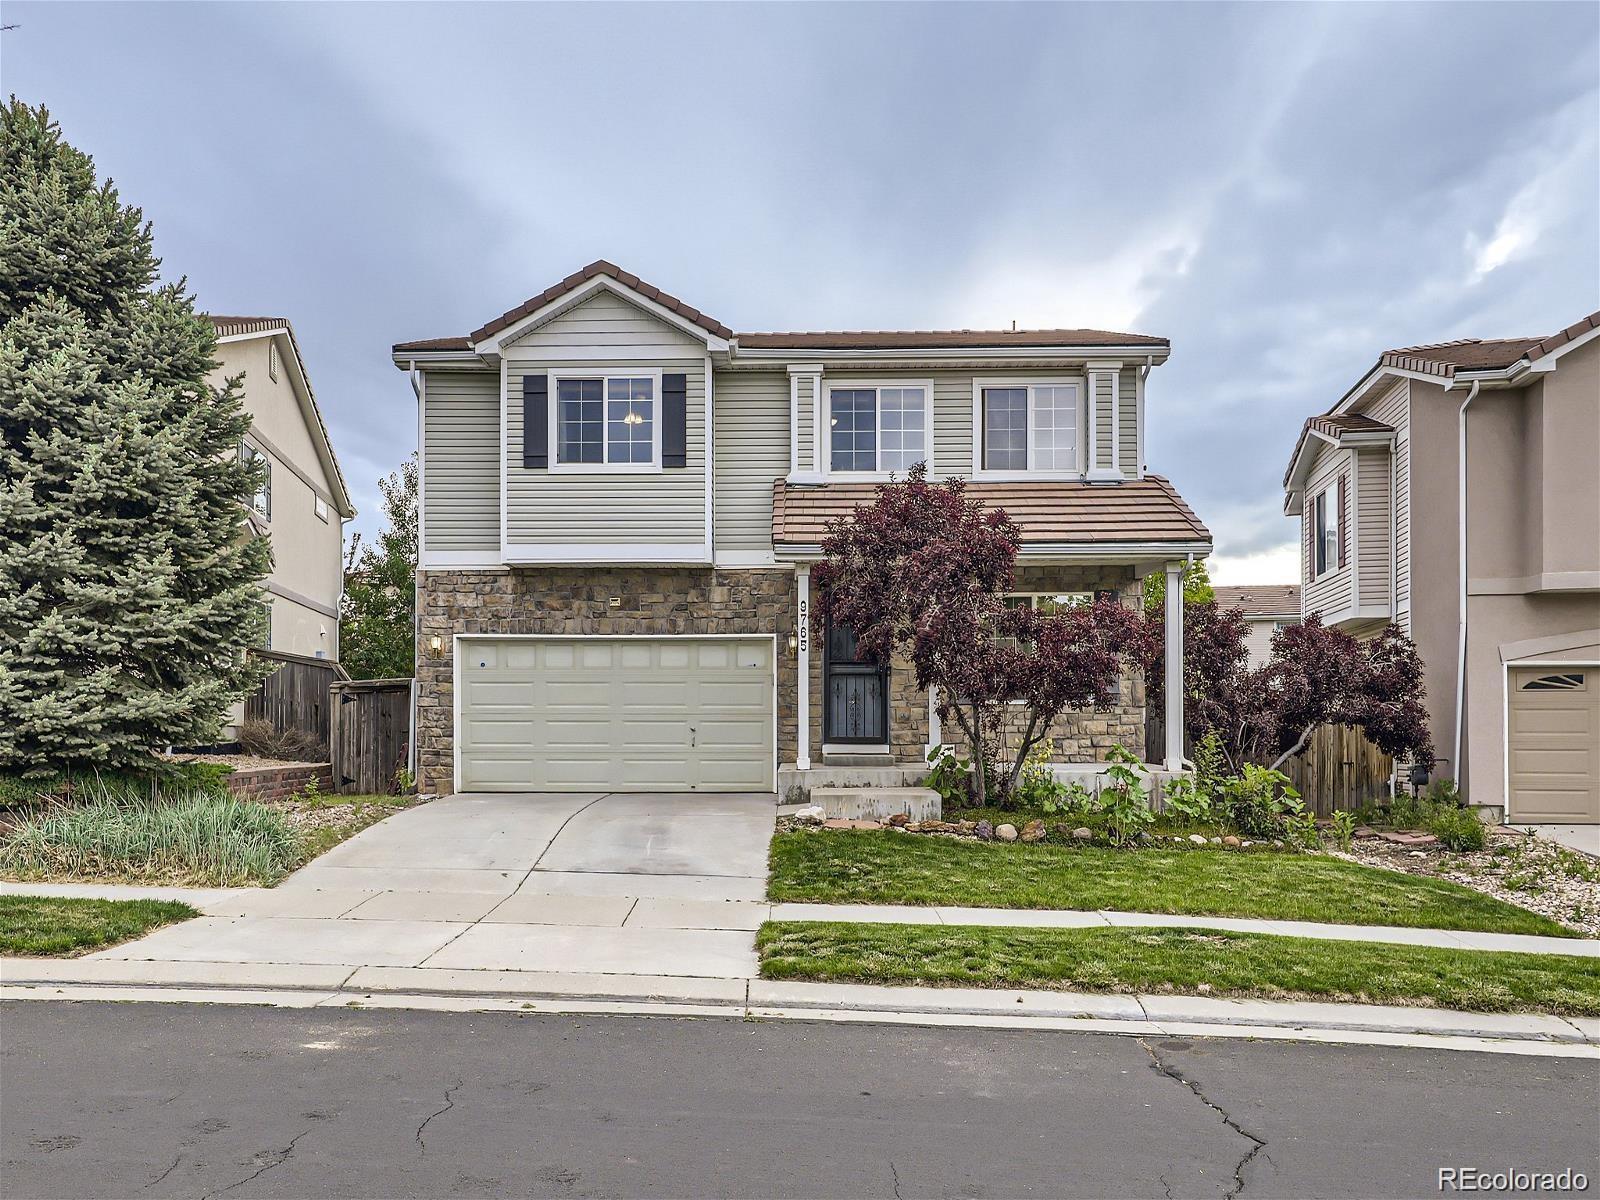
(1198, 839)
(810, 816)
(1006, 833)
(1216, 841)
(966, 826)
(899, 819)
(984, 830)
(849, 823)
(1083, 833)
(1033, 831)
(1409, 838)
(1232, 841)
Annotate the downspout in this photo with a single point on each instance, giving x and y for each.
(1461, 557)
(416, 584)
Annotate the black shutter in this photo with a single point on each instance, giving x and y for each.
(674, 421)
(536, 422)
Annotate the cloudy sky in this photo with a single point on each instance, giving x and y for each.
(1282, 190)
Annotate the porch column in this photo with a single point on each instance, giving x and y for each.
(802, 631)
(935, 734)
(1173, 683)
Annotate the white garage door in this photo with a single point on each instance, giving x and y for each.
(1553, 738)
(638, 714)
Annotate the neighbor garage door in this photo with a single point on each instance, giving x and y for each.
(618, 714)
(1553, 738)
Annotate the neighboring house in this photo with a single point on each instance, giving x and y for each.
(305, 502)
(622, 500)
(1492, 568)
(1267, 608)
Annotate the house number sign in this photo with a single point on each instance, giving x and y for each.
(804, 632)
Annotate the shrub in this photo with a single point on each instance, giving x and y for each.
(1124, 801)
(1188, 801)
(951, 777)
(1259, 801)
(1344, 828)
(1457, 829)
(1038, 788)
(165, 778)
(264, 740)
(189, 837)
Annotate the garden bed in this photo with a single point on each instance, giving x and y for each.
(1186, 961)
(884, 867)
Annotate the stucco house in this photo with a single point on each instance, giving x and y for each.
(622, 499)
(1454, 490)
(1266, 607)
(305, 501)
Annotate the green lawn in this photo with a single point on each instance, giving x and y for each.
(1180, 960)
(58, 926)
(879, 867)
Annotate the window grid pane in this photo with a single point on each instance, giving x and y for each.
(1005, 429)
(580, 421)
(905, 422)
(853, 429)
(630, 420)
(1055, 433)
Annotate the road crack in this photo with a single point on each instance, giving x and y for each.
(178, 1159)
(449, 1103)
(1257, 1145)
(283, 1156)
(896, 1176)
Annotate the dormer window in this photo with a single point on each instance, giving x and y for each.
(606, 421)
(1029, 427)
(877, 428)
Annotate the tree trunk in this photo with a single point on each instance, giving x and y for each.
(1304, 740)
(1028, 743)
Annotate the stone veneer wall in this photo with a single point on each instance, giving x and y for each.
(679, 600)
(652, 600)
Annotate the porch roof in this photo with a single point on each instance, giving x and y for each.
(1142, 516)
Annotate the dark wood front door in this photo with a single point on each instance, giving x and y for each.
(855, 707)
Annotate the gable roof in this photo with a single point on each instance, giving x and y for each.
(1260, 600)
(245, 327)
(1335, 429)
(1147, 510)
(841, 339)
(1466, 354)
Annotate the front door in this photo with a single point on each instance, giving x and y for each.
(855, 708)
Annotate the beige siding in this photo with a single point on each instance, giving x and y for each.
(1331, 593)
(805, 423)
(1394, 408)
(1258, 641)
(1102, 420)
(952, 423)
(461, 440)
(613, 507)
(752, 450)
(604, 320)
(1128, 422)
(1372, 525)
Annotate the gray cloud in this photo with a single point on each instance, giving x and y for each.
(1282, 190)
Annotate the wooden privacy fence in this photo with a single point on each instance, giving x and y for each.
(295, 696)
(1340, 769)
(369, 725)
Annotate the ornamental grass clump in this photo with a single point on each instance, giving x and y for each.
(190, 837)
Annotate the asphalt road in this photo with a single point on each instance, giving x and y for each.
(190, 1100)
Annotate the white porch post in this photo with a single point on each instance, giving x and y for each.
(802, 630)
(935, 734)
(1173, 683)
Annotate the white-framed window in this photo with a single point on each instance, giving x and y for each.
(1325, 543)
(1048, 603)
(606, 422)
(1028, 426)
(320, 507)
(877, 427)
(262, 500)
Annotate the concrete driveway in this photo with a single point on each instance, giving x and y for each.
(634, 884)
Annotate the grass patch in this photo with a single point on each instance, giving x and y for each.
(196, 838)
(879, 867)
(57, 926)
(352, 813)
(1208, 962)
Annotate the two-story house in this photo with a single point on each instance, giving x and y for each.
(1266, 608)
(622, 499)
(304, 502)
(1454, 491)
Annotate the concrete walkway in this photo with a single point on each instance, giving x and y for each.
(1584, 838)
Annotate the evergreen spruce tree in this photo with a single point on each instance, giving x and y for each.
(377, 623)
(128, 589)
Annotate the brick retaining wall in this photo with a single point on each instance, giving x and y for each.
(277, 783)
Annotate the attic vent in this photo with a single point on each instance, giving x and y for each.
(1553, 683)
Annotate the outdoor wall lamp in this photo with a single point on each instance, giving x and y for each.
(436, 643)
(794, 644)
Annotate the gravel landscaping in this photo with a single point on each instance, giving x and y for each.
(1516, 867)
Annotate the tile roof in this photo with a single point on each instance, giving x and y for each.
(1142, 510)
(1333, 426)
(1260, 599)
(1556, 340)
(444, 343)
(1468, 354)
(578, 278)
(925, 339)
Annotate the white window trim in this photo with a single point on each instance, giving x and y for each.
(1079, 383)
(553, 407)
(1330, 497)
(826, 388)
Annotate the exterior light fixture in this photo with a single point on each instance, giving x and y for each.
(436, 643)
(794, 643)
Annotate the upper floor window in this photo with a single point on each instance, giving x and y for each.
(606, 421)
(882, 428)
(1328, 548)
(1029, 427)
(262, 500)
